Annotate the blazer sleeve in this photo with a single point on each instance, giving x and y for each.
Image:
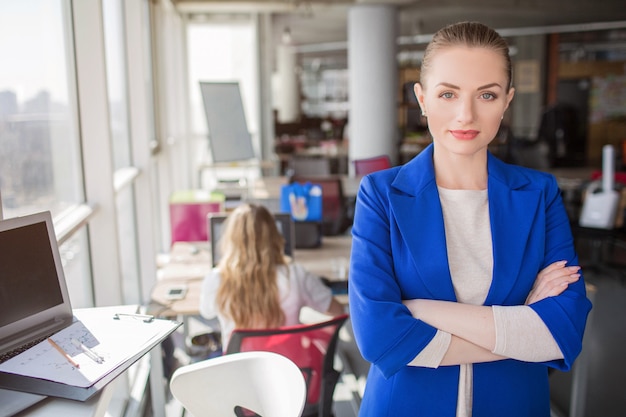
(566, 314)
(387, 334)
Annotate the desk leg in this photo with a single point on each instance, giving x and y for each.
(105, 398)
(157, 389)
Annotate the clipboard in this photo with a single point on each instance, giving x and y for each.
(103, 322)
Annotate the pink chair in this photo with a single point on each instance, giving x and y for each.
(367, 165)
(188, 214)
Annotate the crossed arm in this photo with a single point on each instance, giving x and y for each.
(473, 327)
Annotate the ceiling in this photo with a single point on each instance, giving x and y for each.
(319, 27)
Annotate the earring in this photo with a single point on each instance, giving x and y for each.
(423, 113)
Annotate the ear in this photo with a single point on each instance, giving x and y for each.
(509, 97)
(419, 94)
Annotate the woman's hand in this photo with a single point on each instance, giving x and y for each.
(552, 281)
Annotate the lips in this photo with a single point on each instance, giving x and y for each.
(464, 134)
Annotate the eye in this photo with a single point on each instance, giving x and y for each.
(447, 95)
(488, 96)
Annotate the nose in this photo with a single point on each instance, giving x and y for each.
(466, 110)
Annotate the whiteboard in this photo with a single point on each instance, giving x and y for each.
(229, 138)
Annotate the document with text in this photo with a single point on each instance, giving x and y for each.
(94, 345)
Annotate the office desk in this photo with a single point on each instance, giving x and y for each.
(188, 263)
(329, 260)
(61, 407)
(98, 402)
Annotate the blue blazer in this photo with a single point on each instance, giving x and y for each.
(399, 252)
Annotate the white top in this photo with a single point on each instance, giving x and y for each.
(298, 288)
(520, 332)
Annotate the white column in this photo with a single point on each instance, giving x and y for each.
(288, 102)
(373, 81)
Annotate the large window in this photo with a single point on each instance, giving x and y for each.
(39, 146)
(40, 166)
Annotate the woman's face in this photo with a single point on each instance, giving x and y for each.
(464, 98)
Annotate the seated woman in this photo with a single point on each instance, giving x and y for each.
(254, 286)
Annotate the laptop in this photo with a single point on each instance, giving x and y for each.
(284, 222)
(34, 301)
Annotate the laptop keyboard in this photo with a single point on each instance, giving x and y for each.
(12, 353)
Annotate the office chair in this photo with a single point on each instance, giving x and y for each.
(367, 165)
(263, 382)
(310, 346)
(335, 219)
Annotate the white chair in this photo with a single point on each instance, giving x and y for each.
(264, 382)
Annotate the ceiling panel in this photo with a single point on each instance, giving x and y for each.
(318, 28)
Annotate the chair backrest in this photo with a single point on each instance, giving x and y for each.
(310, 346)
(334, 207)
(367, 165)
(266, 383)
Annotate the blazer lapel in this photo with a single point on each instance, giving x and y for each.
(417, 210)
(512, 211)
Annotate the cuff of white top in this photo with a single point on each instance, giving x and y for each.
(499, 320)
(432, 355)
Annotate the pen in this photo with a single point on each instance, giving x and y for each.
(93, 355)
(64, 353)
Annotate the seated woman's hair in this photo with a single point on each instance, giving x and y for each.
(252, 248)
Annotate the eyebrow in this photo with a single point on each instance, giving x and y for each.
(483, 87)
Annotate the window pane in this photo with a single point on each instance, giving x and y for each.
(129, 256)
(116, 81)
(75, 258)
(39, 145)
(148, 79)
(117, 86)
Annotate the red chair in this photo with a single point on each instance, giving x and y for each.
(367, 165)
(310, 346)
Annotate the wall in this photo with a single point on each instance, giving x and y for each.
(528, 80)
(602, 129)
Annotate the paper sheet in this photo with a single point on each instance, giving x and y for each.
(115, 340)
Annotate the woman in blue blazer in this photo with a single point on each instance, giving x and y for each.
(464, 284)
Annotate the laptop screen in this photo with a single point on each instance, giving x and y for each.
(33, 292)
(284, 223)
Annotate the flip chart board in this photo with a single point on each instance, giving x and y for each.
(229, 137)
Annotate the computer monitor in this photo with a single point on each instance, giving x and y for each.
(284, 222)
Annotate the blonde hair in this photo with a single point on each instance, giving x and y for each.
(252, 249)
(469, 34)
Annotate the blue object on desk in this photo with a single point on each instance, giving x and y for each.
(303, 201)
